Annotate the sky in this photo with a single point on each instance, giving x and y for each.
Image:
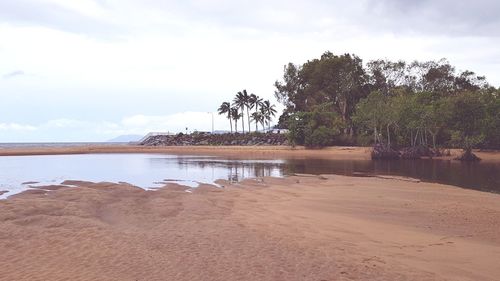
(91, 70)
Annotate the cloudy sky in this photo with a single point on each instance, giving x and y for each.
(90, 70)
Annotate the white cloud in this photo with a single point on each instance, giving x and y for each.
(16, 127)
(178, 122)
(93, 60)
(65, 129)
(13, 74)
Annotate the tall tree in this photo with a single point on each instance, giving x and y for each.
(370, 114)
(240, 101)
(289, 92)
(268, 110)
(255, 102)
(338, 80)
(225, 108)
(467, 121)
(246, 102)
(258, 118)
(236, 115)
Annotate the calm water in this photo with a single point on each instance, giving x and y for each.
(5, 145)
(148, 170)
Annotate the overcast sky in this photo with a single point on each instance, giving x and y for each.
(90, 70)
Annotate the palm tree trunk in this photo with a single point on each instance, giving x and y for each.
(248, 118)
(242, 119)
(256, 123)
(231, 124)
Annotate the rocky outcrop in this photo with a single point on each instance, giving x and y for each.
(216, 139)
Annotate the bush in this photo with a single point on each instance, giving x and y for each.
(317, 128)
(320, 137)
(364, 140)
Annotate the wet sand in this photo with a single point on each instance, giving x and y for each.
(295, 228)
(264, 152)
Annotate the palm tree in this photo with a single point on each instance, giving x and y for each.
(255, 101)
(236, 116)
(258, 117)
(225, 108)
(240, 101)
(269, 111)
(246, 101)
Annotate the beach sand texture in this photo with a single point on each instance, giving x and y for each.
(295, 228)
(241, 152)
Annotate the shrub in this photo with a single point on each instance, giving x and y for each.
(320, 137)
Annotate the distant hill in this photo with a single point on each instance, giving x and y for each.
(126, 138)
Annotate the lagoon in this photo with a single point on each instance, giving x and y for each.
(151, 171)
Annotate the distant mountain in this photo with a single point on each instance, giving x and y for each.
(126, 138)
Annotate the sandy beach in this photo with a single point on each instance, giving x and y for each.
(295, 228)
(264, 152)
(300, 227)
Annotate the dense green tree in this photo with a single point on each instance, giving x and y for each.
(374, 114)
(316, 128)
(491, 128)
(340, 81)
(467, 121)
(289, 91)
(385, 76)
(417, 106)
(410, 104)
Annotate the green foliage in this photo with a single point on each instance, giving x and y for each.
(334, 99)
(468, 120)
(318, 128)
(491, 125)
(225, 108)
(241, 106)
(320, 137)
(376, 114)
(336, 80)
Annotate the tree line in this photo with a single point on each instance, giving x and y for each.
(262, 111)
(336, 99)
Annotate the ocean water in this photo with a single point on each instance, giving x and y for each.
(57, 144)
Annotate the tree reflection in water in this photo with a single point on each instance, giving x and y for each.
(236, 169)
(480, 176)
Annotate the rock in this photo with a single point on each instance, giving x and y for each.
(220, 139)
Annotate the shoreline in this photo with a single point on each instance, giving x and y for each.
(325, 227)
(265, 152)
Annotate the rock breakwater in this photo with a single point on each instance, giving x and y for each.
(216, 139)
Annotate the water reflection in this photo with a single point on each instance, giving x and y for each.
(145, 170)
(479, 176)
(231, 170)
